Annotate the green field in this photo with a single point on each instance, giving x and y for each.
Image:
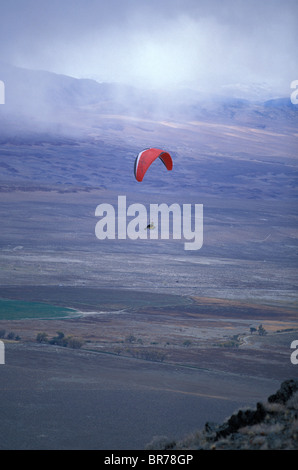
(19, 309)
(67, 299)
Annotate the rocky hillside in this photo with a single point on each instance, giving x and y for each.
(272, 425)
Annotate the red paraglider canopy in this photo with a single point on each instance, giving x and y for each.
(148, 156)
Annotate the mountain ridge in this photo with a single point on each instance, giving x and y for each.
(42, 94)
(273, 425)
(79, 133)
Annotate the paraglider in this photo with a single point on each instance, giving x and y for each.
(147, 157)
(150, 226)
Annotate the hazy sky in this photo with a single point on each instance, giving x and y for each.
(158, 43)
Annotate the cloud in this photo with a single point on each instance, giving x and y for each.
(204, 44)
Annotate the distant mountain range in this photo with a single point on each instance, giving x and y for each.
(61, 131)
(40, 100)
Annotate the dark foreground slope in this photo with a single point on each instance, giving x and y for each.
(57, 398)
(270, 426)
